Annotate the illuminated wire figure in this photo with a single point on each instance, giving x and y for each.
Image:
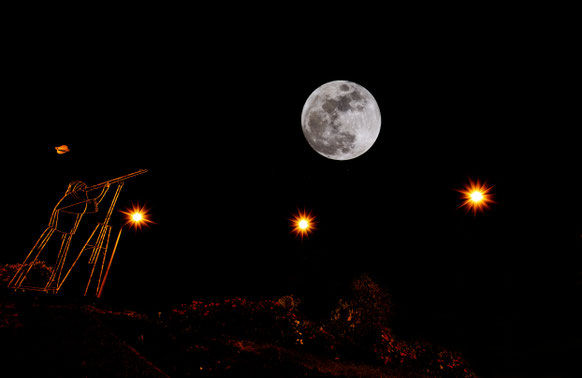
(64, 220)
(77, 201)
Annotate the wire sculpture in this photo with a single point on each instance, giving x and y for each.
(78, 200)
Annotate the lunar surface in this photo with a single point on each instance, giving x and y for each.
(341, 120)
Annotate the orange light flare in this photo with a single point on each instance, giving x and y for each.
(303, 223)
(476, 196)
(137, 216)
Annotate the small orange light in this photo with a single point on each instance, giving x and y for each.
(137, 216)
(302, 223)
(476, 196)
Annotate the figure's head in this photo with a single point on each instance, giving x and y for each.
(77, 189)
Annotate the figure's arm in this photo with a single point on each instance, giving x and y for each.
(92, 203)
(68, 202)
(88, 205)
(75, 208)
(101, 195)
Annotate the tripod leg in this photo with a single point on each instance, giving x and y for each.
(97, 252)
(103, 260)
(109, 264)
(97, 249)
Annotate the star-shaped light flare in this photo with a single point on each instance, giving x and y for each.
(137, 216)
(302, 223)
(476, 196)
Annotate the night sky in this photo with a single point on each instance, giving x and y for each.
(217, 122)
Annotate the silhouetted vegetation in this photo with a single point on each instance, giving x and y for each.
(360, 315)
(38, 275)
(357, 330)
(235, 336)
(361, 327)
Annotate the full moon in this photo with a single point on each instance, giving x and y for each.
(341, 120)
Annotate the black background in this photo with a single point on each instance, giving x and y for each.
(214, 114)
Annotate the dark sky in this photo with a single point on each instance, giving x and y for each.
(216, 120)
